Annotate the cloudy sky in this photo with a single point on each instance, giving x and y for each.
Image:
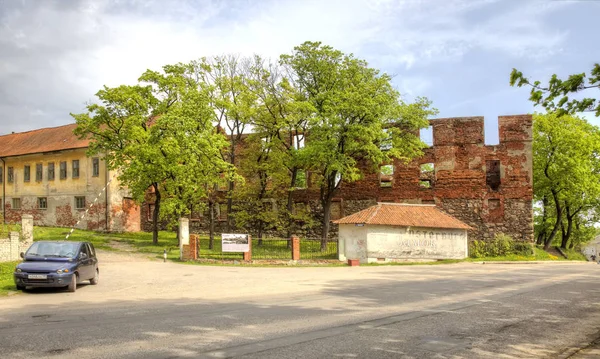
(56, 54)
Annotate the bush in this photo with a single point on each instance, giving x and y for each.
(501, 245)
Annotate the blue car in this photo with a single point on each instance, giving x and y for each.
(57, 264)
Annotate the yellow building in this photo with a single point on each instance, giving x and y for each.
(46, 173)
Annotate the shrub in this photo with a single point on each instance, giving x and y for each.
(501, 245)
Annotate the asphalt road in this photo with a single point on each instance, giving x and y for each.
(147, 309)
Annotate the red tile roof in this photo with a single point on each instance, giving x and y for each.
(42, 140)
(405, 215)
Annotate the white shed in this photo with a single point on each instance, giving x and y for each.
(394, 231)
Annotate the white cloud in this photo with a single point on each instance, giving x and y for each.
(58, 54)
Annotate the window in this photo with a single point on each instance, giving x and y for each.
(10, 175)
(335, 212)
(16, 203)
(493, 204)
(95, 167)
(386, 142)
(427, 176)
(300, 179)
(426, 135)
(222, 211)
(63, 170)
(38, 172)
(1, 175)
(27, 173)
(51, 171)
(298, 141)
(386, 176)
(79, 202)
(75, 172)
(42, 203)
(492, 174)
(151, 213)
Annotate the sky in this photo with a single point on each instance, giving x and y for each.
(56, 54)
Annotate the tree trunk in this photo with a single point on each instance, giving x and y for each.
(290, 203)
(155, 214)
(211, 225)
(177, 234)
(326, 215)
(558, 221)
(569, 230)
(260, 233)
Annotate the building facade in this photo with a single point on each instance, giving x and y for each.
(47, 174)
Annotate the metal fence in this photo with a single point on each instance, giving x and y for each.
(270, 248)
(310, 249)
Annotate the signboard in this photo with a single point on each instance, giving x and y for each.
(235, 242)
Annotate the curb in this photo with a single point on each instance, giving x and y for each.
(533, 262)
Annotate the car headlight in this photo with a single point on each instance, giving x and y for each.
(18, 270)
(60, 271)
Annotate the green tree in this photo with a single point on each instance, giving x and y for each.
(225, 80)
(353, 106)
(158, 134)
(558, 89)
(566, 172)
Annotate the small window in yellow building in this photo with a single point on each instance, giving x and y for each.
(27, 173)
(95, 167)
(42, 203)
(38, 172)
(75, 172)
(79, 202)
(16, 203)
(63, 170)
(51, 171)
(10, 175)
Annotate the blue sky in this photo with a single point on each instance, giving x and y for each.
(458, 53)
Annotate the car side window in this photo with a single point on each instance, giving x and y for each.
(91, 250)
(84, 250)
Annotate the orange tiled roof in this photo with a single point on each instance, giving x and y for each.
(405, 215)
(41, 140)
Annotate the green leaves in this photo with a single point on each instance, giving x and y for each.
(557, 90)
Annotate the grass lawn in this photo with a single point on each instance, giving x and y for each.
(5, 229)
(6, 277)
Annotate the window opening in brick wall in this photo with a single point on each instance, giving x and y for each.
(75, 172)
(27, 173)
(51, 171)
(300, 180)
(16, 203)
(493, 204)
(386, 175)
(426, 135)
(10, 175)
(335, 212)
(79, 202)
(492, 174)
(39, 172)
(427, 175)
(386, 142)
(95, 167)
(42, 202)
(63, 170)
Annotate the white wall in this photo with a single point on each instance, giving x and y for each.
(373, 243)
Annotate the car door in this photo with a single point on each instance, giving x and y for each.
(85, 263)
(93, 258)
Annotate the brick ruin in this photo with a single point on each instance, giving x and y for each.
(489, 187)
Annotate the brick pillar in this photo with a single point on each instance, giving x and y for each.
(184, 235)
(27, 228)
(14, 246)
(194, 246)
(248, 255)
(295, 248)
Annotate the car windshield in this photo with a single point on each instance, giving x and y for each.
(50, 249)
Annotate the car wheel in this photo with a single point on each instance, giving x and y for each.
(21, 287)
(73, 285)
(94, 280)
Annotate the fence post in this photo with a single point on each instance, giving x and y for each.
(295, 248)
(194, 246)
(248, 255)
(184, 235)
(13, 242)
